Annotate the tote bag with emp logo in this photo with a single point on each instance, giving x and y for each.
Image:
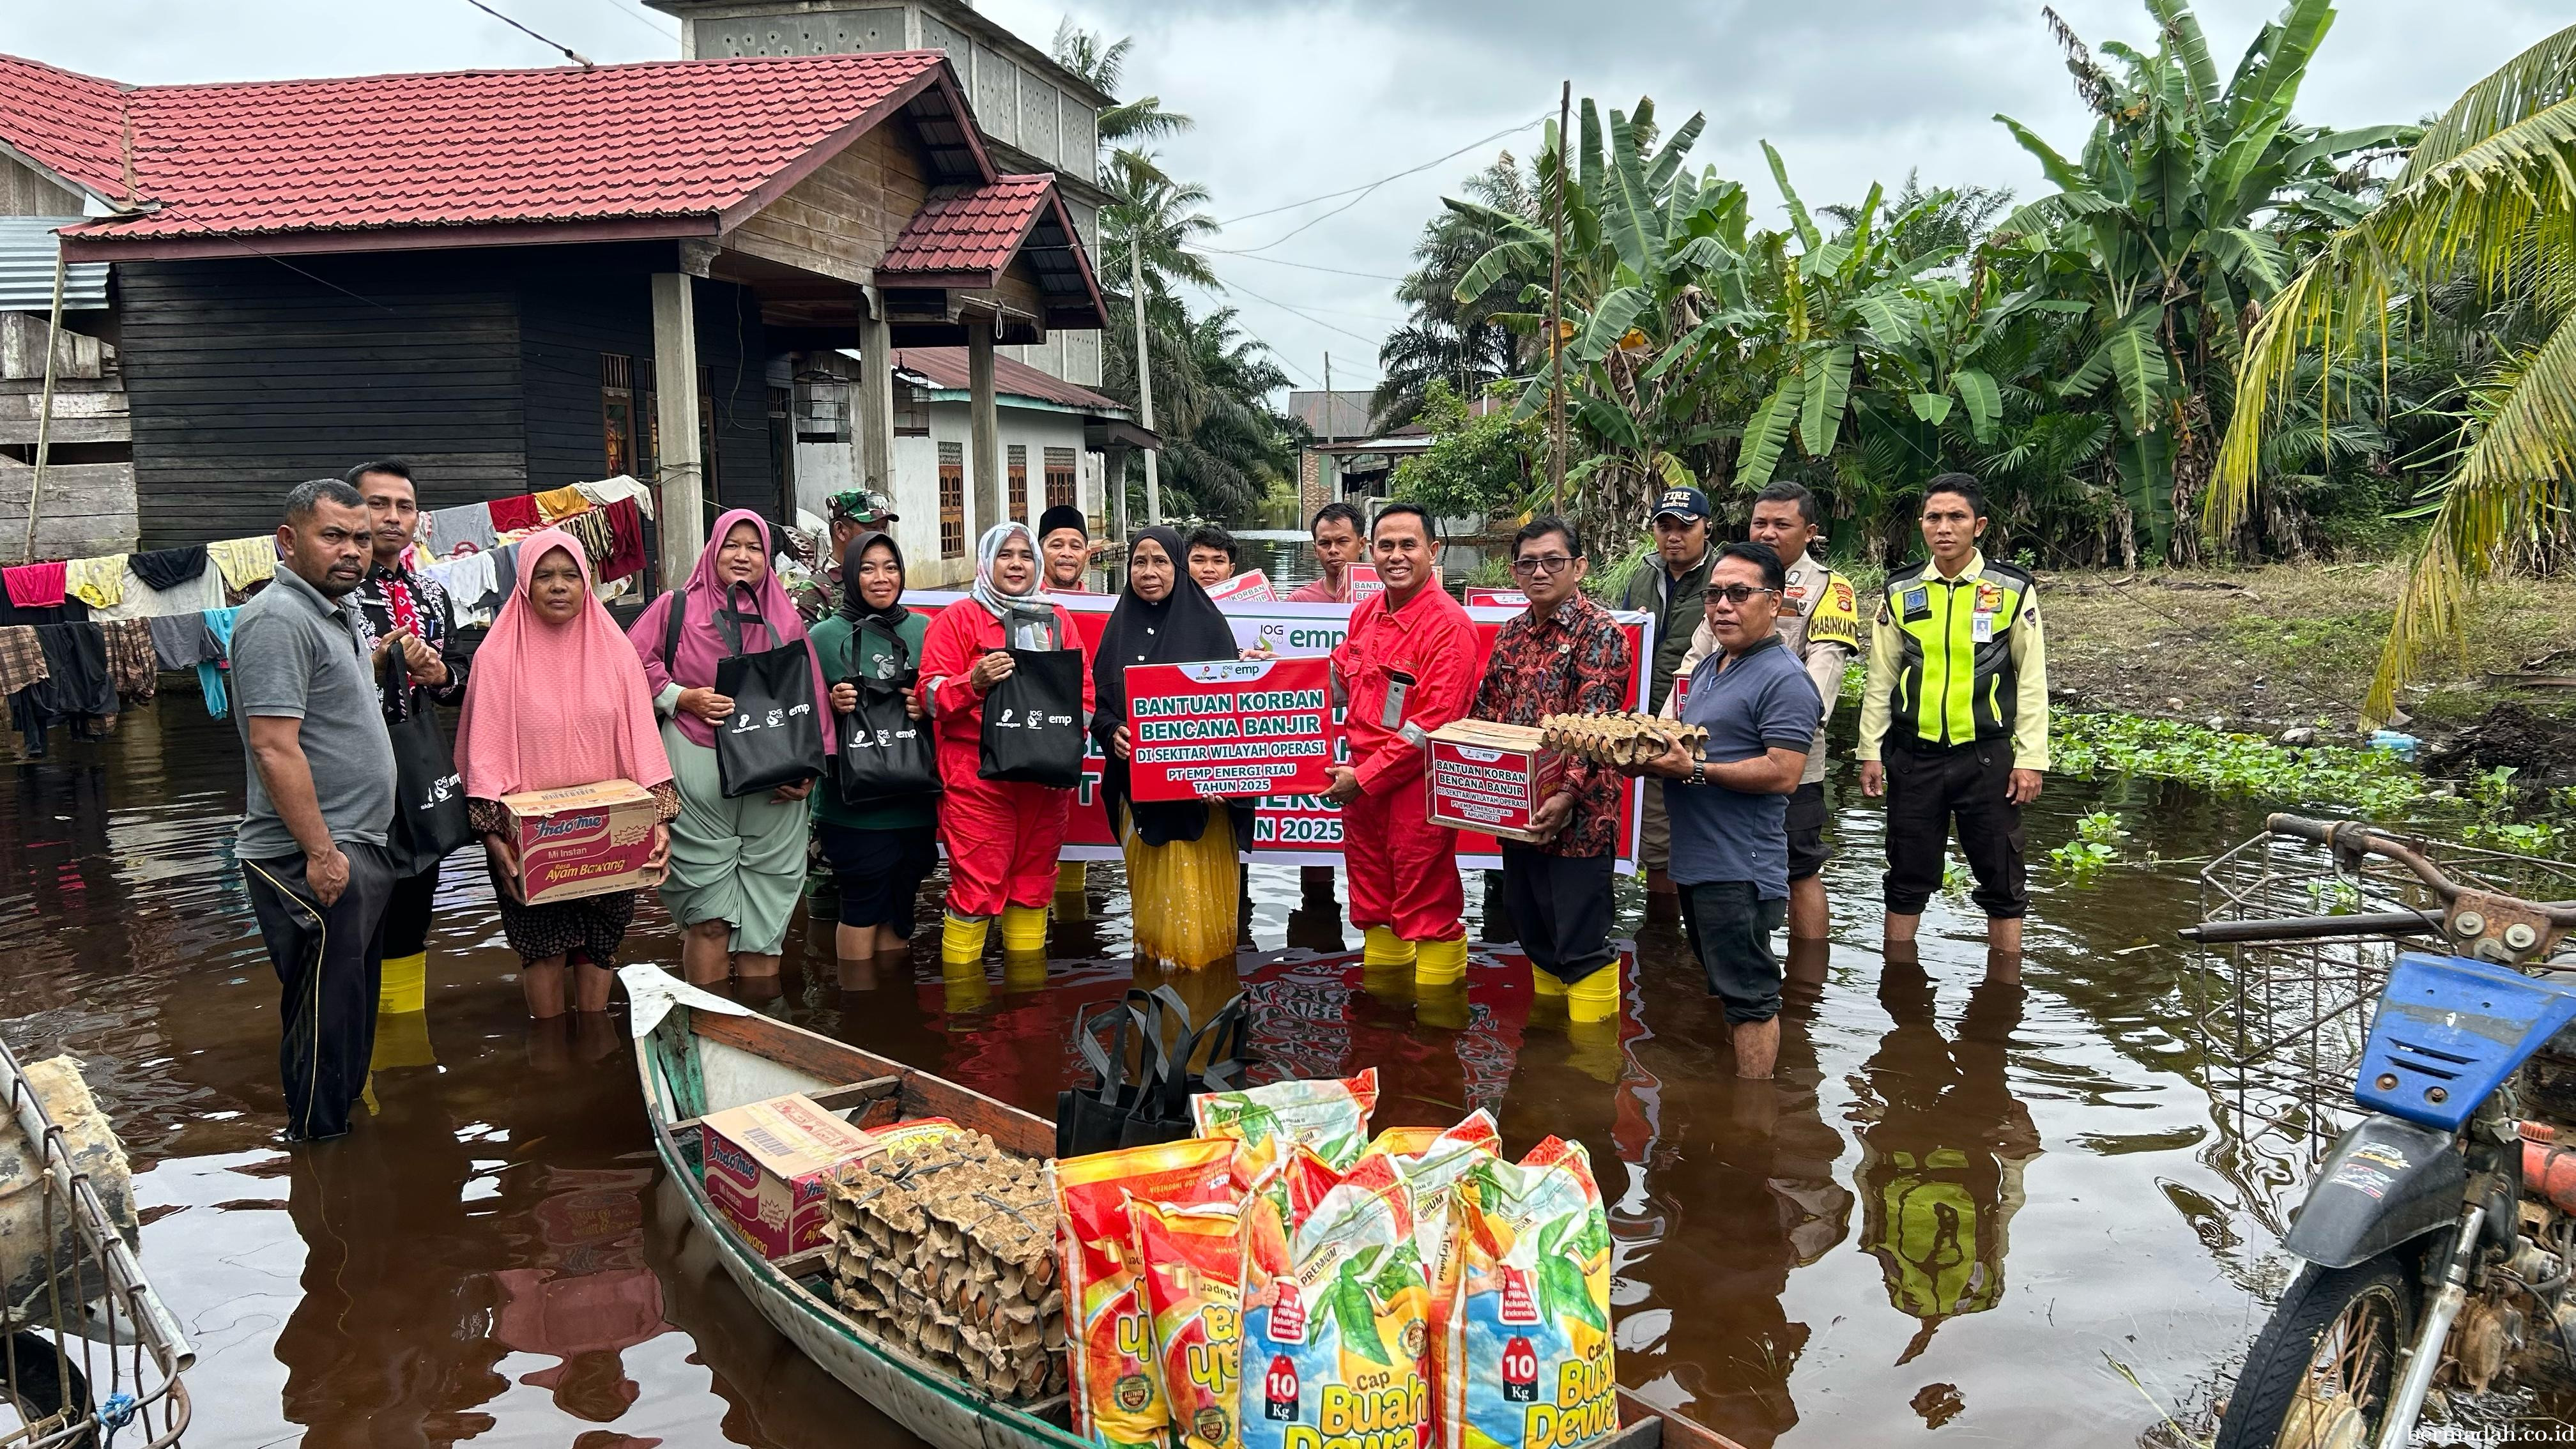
(774, 736)
(1033, 720)
(885, 753)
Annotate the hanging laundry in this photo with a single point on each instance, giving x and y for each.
(467, 579)
(598, 539)
(192, 596)
(179, 640)
(35, 585)
(626, 550)
(245, 561)
(505, 579)
(98, 582)
(218, 648)
(454, 531)
(75, 691)
(22, 658)
(557, 504)
(513, 515)
(168, 568)
(609, 490)
(132, 669)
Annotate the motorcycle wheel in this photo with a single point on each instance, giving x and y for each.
(2320, 1375)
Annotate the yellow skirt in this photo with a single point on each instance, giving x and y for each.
(1184, 894)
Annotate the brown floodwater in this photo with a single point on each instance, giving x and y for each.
(2000, 1210)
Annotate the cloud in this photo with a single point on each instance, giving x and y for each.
(1295, 100)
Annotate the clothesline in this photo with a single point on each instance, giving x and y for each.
(84, 638)
(174, 581)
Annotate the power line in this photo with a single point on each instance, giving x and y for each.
(1365, 188)
(642, 19)
(575, 56)
(1318, 321)
(1302, 266)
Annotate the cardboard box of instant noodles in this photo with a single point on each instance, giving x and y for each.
(584, 840)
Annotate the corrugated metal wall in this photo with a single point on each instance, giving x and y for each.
(27, 268)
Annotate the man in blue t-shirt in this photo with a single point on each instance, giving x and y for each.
(1730, 804)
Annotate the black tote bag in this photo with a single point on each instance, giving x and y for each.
(774, 736)
(1033, 720)
(429, 798)
(1151, 1104)
(885, 753)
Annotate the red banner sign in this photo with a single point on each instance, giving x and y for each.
(1240, 727)
(1253, 586)
(1497, 598)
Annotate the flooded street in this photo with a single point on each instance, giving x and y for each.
(2004, 1210)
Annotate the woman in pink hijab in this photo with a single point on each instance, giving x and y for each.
(737, 866)
(557, 699)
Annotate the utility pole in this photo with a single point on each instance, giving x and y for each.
(1556, 313)
(1328, 398)
(1144, 377)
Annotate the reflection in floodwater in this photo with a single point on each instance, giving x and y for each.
(1943, 1146)
(1869, 1248)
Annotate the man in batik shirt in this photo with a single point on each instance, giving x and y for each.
(1564, 656)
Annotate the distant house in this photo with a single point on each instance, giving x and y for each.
(525, 278)
(1347, 457)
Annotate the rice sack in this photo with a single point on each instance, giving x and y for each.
(1193, 1261)
(1525, 1358)
(1117, 1384)
(1328, 1116)
(1336, 1336)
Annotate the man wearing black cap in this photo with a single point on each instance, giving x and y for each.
(1064, 542)
(1672, 591)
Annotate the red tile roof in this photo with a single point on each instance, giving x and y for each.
(946, 369)
(970, 228)
(65, 122)
(662, 139)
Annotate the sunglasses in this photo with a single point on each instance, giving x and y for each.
(1737, 594)
(1546, 563)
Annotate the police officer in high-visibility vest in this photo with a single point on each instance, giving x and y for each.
(1954, 717)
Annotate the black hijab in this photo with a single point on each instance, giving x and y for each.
(1184, 627)
(854, 607)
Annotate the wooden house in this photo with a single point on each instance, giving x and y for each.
(519, 279)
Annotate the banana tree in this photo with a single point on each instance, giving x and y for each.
(2484, 204)
(1654, 275)
(2186, 210)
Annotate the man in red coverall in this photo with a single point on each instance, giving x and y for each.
(1411, 658)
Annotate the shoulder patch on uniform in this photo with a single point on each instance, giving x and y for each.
(1834, 618)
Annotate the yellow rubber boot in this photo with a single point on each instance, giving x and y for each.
(1440, 963)
(1442, 1006)
(1024, 970)
(1382, 947)
(1024, 929)
(961, 941)
(404, 987)
(1545, 982)
(1070, 877)
(402, 1040)
(1595, 997)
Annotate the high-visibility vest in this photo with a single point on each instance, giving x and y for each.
(1956, 681)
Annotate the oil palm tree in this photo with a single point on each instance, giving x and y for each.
(2488, 197)
(1104, 64)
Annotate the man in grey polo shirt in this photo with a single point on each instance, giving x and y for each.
(320, 798)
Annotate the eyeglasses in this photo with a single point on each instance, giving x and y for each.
(1546, 563)
(1737, 594)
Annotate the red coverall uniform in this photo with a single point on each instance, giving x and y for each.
(1403, 869)
(1002, 836)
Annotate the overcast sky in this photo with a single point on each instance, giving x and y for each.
(1297, 100)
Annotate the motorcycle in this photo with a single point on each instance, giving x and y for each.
(2439, 1231)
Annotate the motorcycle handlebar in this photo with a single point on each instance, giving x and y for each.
(2354, 838)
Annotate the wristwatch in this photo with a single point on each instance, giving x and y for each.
(1699, 772)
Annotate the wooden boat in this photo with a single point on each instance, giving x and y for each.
(698, 1053)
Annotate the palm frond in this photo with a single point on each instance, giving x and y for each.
(2540, 77)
